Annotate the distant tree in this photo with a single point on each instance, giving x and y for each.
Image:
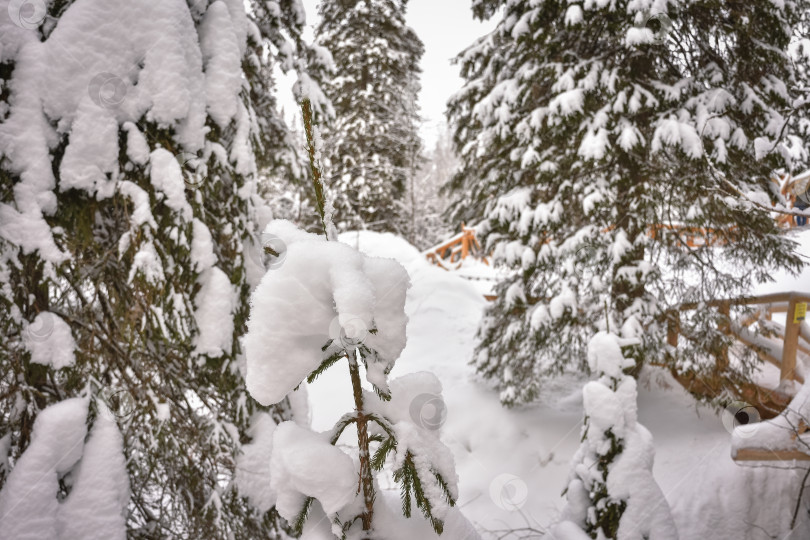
(130, 138)
(372, 146)
(424, 204)
(585, 131)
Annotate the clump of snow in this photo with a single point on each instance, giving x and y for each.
(386, 245)
(28, 504)
(95, 508)
(573, 15)
(92, 152)
(137, 148)
(672, 132)
(304, 464)
(202, 247)
(214, 313)
(167, 177)
(253, 465)
(605, 355)
(223, 78)
(49, 340)
(286, 334)
(147, 263)
(97, 505)
(142, 210)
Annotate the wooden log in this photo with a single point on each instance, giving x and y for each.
(803, 345)
(775, 298)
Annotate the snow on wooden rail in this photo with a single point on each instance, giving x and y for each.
(794, 335)
(781, 439)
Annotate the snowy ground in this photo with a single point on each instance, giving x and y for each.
(513, 464)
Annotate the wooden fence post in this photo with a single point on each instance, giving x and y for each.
(791, 343)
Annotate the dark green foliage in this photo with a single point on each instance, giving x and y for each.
(372, 145)
(579, 143)
(608, 510)
(135, 336)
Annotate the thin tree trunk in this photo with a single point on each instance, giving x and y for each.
(366, 475)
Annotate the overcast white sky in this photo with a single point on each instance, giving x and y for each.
(446, 27)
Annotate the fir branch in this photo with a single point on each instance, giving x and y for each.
(345, 420)
(445, 488)
(384, 424)
(408, 477)
(378, 460)
(404, 476)
(301, 517)
(326, 364)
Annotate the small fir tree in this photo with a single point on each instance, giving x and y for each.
(611, 491)
(325, 303)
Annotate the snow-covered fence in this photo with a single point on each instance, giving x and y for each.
(794, 336)
(450, 253)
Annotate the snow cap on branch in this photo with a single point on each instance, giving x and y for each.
(295, 305)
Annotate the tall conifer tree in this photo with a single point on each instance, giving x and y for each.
(130, 140)
(372, 145)
(587, 128)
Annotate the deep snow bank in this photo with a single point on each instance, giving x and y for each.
(513, 464)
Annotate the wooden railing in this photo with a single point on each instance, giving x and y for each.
(451, 252)
(795, 337)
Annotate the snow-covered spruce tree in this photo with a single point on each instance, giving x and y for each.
(585, 131)
(611, 492)
(323, 303)
(129, 241)
(372, 145)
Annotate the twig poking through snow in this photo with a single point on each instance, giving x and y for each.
(325, 208)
